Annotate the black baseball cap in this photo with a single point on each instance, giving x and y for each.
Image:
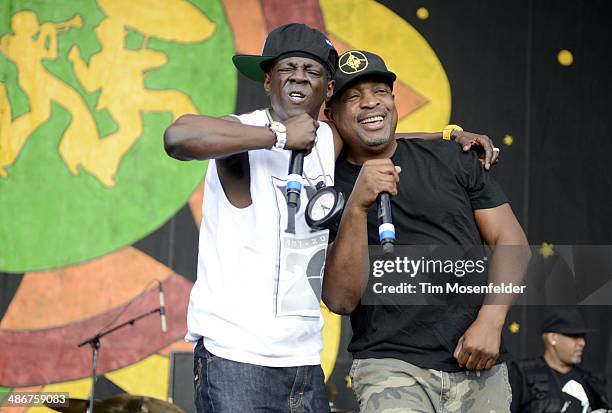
(566, 320)
(294, 39)
(356, 64)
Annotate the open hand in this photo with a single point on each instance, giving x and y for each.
(482, 144)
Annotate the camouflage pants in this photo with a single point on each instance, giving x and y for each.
(394, 386)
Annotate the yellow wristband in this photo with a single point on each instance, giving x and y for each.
(446, 132)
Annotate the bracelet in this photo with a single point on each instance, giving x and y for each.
(446, 132)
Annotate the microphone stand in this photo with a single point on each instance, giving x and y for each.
(94, 342)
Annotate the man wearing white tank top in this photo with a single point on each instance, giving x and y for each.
(254, 310)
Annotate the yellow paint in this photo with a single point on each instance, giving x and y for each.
(30, 45)
(78, 389)
(514, 327)
(508, 140)
(565, 57)
(119, 75)
(422, 13)
(171, 20)
(331, 340)
(371, 26)
(148, 377)
(547, 250)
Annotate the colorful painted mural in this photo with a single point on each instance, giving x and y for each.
(92, 210)
(84, 176)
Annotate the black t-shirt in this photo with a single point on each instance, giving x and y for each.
(537, 388)
(438, 190)
(572, 403)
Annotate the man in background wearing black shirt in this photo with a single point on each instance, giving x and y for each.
(555, 382)
(413, 358)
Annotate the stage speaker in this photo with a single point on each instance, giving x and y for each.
(180, 385)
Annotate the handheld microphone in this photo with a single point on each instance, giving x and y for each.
(162, 308)
(294, 187)
(386, 229)
(294, 180)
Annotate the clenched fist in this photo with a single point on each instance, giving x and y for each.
(301, 132)
(376, 176)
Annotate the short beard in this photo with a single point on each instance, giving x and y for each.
(377, 142)
(373, 142)
(576, 360)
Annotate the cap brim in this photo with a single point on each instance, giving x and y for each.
(572, 331)
(250, 65)
(388, 75)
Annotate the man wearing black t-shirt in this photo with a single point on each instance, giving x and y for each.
(554, 382)
(413, 358)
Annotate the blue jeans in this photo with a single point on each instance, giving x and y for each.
(225, 386)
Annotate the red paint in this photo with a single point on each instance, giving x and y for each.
(32, 357)
(279, 12)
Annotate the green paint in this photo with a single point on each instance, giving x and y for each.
(49, 218)
(4, 393)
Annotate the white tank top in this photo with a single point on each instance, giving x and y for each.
(257, 296)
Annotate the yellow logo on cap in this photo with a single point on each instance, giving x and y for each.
(352, 62)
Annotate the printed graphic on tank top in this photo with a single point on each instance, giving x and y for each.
(301, 256)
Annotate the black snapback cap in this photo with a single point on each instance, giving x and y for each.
(294, 39)
(565, 321)
(356, 64)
